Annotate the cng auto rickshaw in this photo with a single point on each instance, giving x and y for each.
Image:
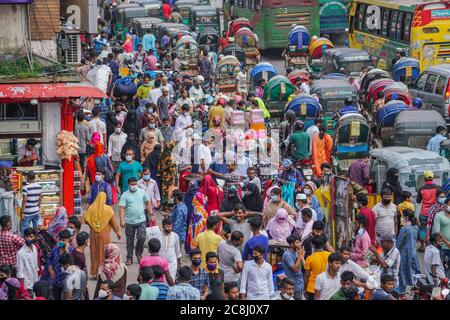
(351, 140)
(185, 9)
(262, 71)
(413, 128)
(306, 108)
(187, 51)
(246, 39)
(331, 94)
(162, 28)
(126, 12)
(385, 119)
(345, 60)
(296, 54)
(407, 68)
(208, 37)
(205, 17)
(154, 7)
(142, 24)
(411, 163)
(372, 75)
(227, 71)
(276, 94)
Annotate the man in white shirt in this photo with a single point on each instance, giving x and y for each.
(115, 144)
(306, 86)
(97, 125)
(241, 83)
(204, 157)
(328, 282)
(349, 265)
(184, 121)
(155, 93)
(27, 260)
(385, 215)
(196, 91)
(150, 187)
(257, 278)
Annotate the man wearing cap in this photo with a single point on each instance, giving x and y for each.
(426, 195)
(27, 155)
(300, 141)
(389, 260)
(196, 91)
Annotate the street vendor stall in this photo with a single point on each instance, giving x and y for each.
(41, 111)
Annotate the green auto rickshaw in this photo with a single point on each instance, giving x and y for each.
(185, 9)
(276, 94)
(331, 94)
(141, 25)
(205, 16)
(126, 12)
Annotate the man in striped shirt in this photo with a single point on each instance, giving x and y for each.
(31, 202)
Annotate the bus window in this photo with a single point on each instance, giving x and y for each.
(431, 81)
(420, 83)
(430, 30)
(406, 27)
(398, 32)
(384, 28)
(393, 25)
(361, 17)
(440, 86)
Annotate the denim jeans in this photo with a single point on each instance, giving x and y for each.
(27, 219)
(132, 231)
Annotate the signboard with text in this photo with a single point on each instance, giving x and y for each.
(80, 14)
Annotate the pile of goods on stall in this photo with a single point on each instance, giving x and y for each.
(67, 145)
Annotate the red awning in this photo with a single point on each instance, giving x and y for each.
(50, 91)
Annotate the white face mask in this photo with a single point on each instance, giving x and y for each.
(307, 191)
(355, 205)
(286, 296)
(128, 158)
(102, 294)
(117, 130)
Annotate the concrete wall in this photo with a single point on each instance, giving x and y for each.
(13, 29)
(45, 48)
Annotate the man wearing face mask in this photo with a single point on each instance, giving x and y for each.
(127, 169)
(144, 89)
(132, 204)
(200, 277)
(151, 127)
(184, 120)
(257, 278)
(115, 144)
(120, 111)
(301, 202)
(150, 187)
(105, 292)
(386, 215)
(166, 130)
(100, 185)
(274, 204)
(27, 260)
(216, 277)
(286, 290)
(196, 91)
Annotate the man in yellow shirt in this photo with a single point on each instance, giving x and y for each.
(215, 111)
(208, 240)
(407, 203)
(315, 264)
(144, 89)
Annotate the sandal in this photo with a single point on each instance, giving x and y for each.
(129, 262)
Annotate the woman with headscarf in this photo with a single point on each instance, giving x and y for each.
(131, 125)
(252, 198)
(152, 162)
(7, 199)
(209, 188)
(393, 184)
(166, 170)
(310, 189)
(113, 269)
(100, 219)
(98, 161)
(231, 200)
(131, 143)
(197, 220)
(59, 222)
(128, 44)
(90, 148)
(280, 226)
(148, 146)
(322, 144)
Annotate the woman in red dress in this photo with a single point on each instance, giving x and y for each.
(212, 192)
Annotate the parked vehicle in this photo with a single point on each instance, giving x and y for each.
(385, 119)
(296, 54)
(142, 24)
(433, 87)
(205, 17)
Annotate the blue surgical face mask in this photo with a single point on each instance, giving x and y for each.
(274, 198)
(146, 177)
(360, 232)
(151, 125)
(61, 244)
(98, 177)
(441, 200)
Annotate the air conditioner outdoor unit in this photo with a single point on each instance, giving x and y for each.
(73, 54)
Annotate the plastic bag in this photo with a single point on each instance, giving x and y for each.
(152, 233)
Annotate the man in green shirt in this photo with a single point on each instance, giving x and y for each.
(148, 292)
(132, 217)
(128, 169)
(300, 140)
(348, 290)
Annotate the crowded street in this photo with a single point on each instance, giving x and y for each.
(224, 150)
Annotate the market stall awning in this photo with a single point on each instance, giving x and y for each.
(49, 91)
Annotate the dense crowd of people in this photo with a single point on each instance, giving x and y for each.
(235, 205)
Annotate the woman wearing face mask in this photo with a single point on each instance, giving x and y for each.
(252, 198)
(148, 146)
(112, 269)
(53, 272)
(152, 162)
(100, 185)
(133, 292)
(131, 124)
(310, 189)
(274, 204)
(362, 242)
(131, 143)
(281, 226)
(392, 183)
(110, 120)
(100, 219)
(406, 244)
(98, 161)
(439, 206)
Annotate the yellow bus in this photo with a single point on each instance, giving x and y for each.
(420, 27)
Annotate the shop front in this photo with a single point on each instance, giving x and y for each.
(40, 111)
